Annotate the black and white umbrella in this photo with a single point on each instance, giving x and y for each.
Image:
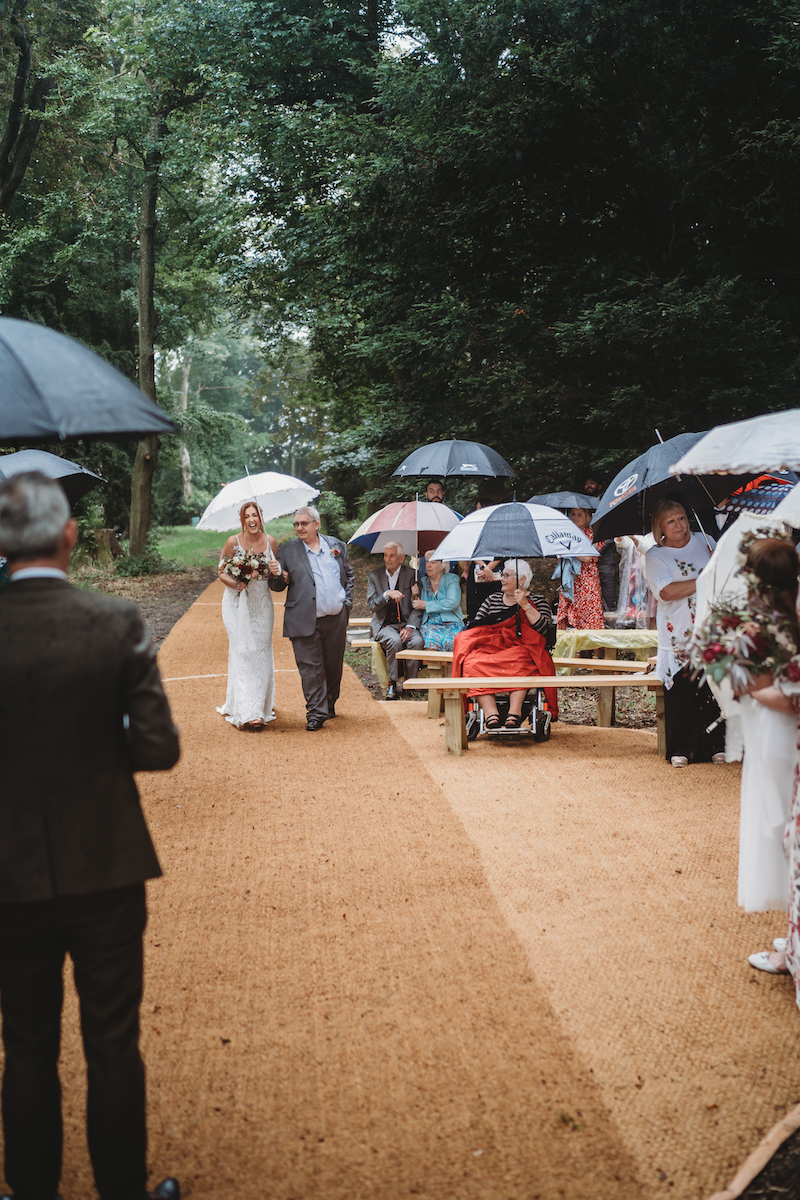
(515, 531)
(445, 459)
(74, 479)
(53, 388)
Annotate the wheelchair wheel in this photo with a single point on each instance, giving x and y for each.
(541, 728)
(473, 725)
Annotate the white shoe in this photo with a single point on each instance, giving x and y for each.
(761, 963)
(718, 758)
(679, 760)
(780, 943)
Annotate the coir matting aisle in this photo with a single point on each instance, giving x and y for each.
(376, 972)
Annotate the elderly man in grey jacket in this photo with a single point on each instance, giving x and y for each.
(320, 580)
(395, 623)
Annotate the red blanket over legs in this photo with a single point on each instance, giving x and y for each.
(492, 650)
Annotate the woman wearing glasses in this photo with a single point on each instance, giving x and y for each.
(506, 637)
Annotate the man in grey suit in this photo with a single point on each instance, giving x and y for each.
(320, 580)
(395, 624)
(81, 709)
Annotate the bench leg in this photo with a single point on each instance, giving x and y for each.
(434, 697)
(606, 700)
(455, 727)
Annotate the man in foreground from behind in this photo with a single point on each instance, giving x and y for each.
(81, 709)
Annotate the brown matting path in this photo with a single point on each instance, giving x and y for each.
(373, 972)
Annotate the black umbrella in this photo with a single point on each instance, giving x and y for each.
(443, 459)
(52, 387)
(75, 480)
(628, 501)
(565, 500)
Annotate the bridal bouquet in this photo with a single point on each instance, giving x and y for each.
(741, 643)
(245, 567)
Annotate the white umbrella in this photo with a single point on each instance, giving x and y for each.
(275, 494)
(516, 531)
(768, 443)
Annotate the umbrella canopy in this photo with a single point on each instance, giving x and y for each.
(515, 530)
(275, 494)
(762, 496)
(443, 459)
(52, 387)
(417, 525)
(628, 501)
(566, 500)
(768, 443)
(76, 481)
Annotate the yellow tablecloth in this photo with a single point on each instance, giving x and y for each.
(570, 642)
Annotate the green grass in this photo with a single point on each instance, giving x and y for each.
(198, 548)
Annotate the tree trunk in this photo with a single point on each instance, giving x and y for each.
(147, 450)
(186, 462)
(19, 137)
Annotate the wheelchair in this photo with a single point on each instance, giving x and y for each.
(536, 718)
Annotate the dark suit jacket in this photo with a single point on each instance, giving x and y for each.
(76, 669)
(380, 608)
(300, 613)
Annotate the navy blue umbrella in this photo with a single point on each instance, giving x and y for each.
(53, 388)
(454, 457)
(74, 479)
(628, 502)
(565, 500)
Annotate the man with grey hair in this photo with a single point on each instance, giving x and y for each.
(395, 622)
(81, 709)
(320, 580)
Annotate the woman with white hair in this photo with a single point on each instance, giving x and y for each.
(506, 637)
(440, 603)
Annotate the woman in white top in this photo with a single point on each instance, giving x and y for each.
(672, 567)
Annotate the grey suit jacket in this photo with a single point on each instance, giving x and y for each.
(300, 612)
(377, 585)
(81, 709)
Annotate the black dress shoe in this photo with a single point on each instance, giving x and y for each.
(168, 1189)
(313, 724)
(392, 692)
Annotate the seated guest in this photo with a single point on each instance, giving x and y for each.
(507, 638)
(395, 623)
(440, 603)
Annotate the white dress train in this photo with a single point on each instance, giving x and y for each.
(248, 617)
(770, 752)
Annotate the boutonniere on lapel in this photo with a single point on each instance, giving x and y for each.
(335, 551)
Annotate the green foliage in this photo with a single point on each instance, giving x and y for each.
(150, 562)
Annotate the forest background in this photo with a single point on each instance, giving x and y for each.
(321, 235)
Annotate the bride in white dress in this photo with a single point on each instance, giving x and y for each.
(248, 617)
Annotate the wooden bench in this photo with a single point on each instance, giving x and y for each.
(452, 689)
(437, 662)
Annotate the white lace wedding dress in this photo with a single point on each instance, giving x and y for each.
(248, 617)
(770, 740)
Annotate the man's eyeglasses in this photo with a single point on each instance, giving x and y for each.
(300, 524)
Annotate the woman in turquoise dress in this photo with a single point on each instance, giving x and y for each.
(440, 602)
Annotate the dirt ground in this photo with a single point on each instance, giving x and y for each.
(164, 599)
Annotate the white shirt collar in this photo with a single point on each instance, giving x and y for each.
(38, 573)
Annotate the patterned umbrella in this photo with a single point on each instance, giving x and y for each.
(417, 525)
